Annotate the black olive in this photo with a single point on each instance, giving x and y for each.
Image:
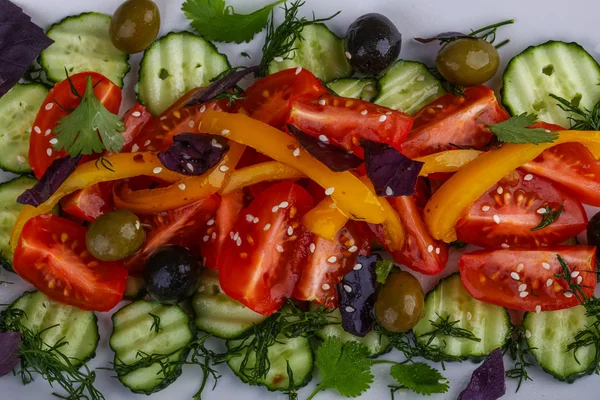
(372, 44)
(593, 231)
(171, 274)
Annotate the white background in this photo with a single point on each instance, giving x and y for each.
(536, 21)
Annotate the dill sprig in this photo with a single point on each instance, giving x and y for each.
(517, 348)
(549, 217)
(279, 42)
(582, 118)
(488, 33)
(105, 163)
(574, 287)
(291, 390)
(155, 323)
(443, 326)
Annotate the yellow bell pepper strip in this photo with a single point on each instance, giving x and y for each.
(325, 220)
(181, 193)
(449, 203)
(351, 196)
(266, 171)
(123, 165)
(447, 161)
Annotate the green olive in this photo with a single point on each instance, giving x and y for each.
(399, 304)
(135, 25)
(468, 62)
(115, 236)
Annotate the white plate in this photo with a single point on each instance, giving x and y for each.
(536, 21)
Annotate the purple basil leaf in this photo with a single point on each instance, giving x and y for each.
(9, 351)
(55, 175)
(443, 36)
(192, 154)
(487, 381)
(220, 86)
(356, 304)
(391, 172)
(21, 42)
(336, 158)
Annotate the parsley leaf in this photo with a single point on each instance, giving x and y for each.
(216, 21)
(344, 367)
(90, 128)
(548, 217)
(515, 130)
(383, 269)
(420, 378)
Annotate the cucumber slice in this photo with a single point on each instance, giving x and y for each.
(321, 52)
(218, 314)
(488, 322)
(18, 109)
(376, 343)
(133, 332)
(60, 323)
(364, 89)
(296, 351)
(82, 43)
(549, 333)
(175, 64)
(563, 69)
(408, 86)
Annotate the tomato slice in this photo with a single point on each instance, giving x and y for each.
(505, 214)
(268, 99)
(91, 202)
(135, 120)
(180, 227)
(267, 249)
(452, 120)
(51, 255)
(56, 106)
(321, 273)
(344, 122)
(213, 241)
(525, 279)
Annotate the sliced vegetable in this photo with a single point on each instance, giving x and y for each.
(354, 88)
(325, 220)
(89, 203)
(356, 292)
(257, 173)
(446, 161)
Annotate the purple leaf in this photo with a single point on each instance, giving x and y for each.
(21, 42)
(443, 36)
(192, 154)
(9, 351)
(220, 86)
(335, 158)
(55, 175)
(356, 304)
(487, 381)
(391, 172)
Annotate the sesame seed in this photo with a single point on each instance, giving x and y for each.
(388, 113)
(574, 274)
(421, 78)
(496, 219)
(225, 132)
(364, 112)
(312, 247)
(522, 287)
(191, 123)
(136, 114)
(333, 205)
(430, 248)
(353, 249)
(267, 227)
(213, 235)
(332, 259)
(135, 148)
(37, 129)
(541, 211)
(284, 204)
(527, 334)
(469, 316)
(357, 267)
(290, 231)
(210, 222)
(278, 59)
(190, 166)
(439, 106)
(382, 118)
(528, 177)
(49, 152)
(323, 139)
(329, 191)
(389, 191)
(515, 276)
(249, 217)
(348, 288)
(325, 287)
(547, 130)
(205, 238)
(296, 152)
(538, 308)
(298, 70)
(238, 241)
(21, 159)
(147, 142)
(442, 381)
(203, 108)
(523, 294)
(223, 168)
(500, 190)
(231, 235)
(216, 144)
(505, 245)
(48, 132)
(181, 186)
(545, 265)
(279, 248)
(163, 118)
(485, 208)
(549, 282)
(157, 170)
(53, 141)
(322, 102)
(568, 295)
(437, 250)
(349, 309)
(49, 106)
(520, 267)
(579, 279)
(348, 55)
(255, 220)
(236, 236)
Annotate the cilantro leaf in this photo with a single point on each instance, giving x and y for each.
(218, 22)
(420, 378)
(383, 269)
(515, 130)
(90, 128)
(344, 367)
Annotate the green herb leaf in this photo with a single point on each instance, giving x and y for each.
(515, 130)
(549, 217)
(581, 119)
(155, 323)
(420, 378)
(383, 269)
(216, 21)
(90, 128)
(443, 326)
(517, 348)
(344, 367)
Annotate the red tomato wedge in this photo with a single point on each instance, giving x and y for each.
(182, 227)
(453, 120)
(213, 242)
(525, 279)
(135, 120)
(344, 122)
(506, 214)
(322, 272)
(267, 249)
(51, 255)
(268, 99)
(91, 202)
(56, 106)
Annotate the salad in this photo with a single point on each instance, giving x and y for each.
(278, 218)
